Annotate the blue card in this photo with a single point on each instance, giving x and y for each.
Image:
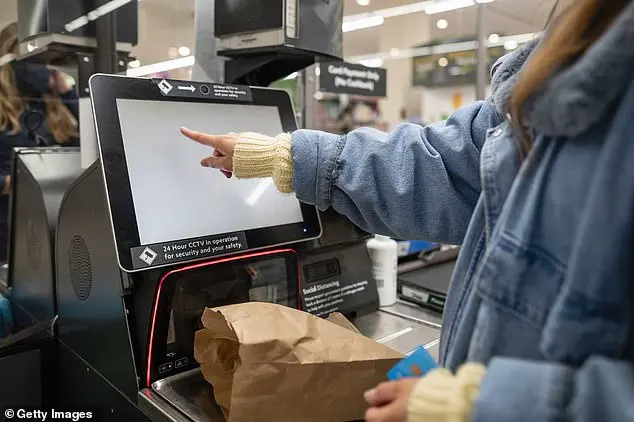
(417, 364)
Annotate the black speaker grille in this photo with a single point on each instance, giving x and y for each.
(33, 246)
(80, 267)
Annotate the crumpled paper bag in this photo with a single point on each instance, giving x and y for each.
(268, 362)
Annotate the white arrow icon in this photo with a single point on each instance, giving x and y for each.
(187, 88)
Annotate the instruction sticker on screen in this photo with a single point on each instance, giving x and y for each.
(188, 250)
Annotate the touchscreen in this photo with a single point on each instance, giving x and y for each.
(174, 197)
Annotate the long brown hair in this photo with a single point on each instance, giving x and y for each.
(61, 122)
(577, 28)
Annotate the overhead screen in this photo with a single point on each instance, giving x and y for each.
(174, 197)
(240, 16)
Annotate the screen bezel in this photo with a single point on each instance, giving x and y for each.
(105, 90)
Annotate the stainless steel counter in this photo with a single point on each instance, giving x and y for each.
(403, 327)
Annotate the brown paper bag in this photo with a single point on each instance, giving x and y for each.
(342, 321)
(268, 362)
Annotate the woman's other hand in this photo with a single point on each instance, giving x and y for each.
(389, 401)
(440, 396)
(223, 145)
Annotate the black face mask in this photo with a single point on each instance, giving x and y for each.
(32, 79)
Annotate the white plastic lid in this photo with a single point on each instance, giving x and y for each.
(381, 237)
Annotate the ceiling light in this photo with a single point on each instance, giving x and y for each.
(363, 2)
(447, 5)
(494, 38)
(443, 62)
(372, 63)
(511, 45)
(428, 6)
(442, 24)
(184, 51)
(134, 64)
(391, 12)
(95, 14)
(362, 23)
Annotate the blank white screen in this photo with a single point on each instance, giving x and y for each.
(174, 197)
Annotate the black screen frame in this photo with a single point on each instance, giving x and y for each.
(105, 90)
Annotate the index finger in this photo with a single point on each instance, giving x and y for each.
(214, 141)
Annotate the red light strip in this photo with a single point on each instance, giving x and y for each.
(200, 265)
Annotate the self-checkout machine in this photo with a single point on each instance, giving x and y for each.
(39, 180)
(145, 243)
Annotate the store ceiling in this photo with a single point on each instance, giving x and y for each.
(504, 17)
(165, 24)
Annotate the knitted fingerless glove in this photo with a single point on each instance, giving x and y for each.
(257, 155)
(443, 397)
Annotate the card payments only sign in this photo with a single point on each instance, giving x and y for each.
(354, 79)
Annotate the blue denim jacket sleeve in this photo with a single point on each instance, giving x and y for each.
(414, 183)
(601, 390)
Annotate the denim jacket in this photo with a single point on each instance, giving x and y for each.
(542, 291)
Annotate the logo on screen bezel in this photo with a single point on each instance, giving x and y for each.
(165, 87)
(148, 256)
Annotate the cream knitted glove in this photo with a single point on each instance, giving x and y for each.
(257, 155)
(442, 397)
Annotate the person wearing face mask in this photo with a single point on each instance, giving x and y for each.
(37, 108)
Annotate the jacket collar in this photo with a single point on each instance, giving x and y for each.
(506, 72)
(580, 95)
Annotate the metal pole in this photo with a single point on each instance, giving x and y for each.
(308, 89)
(106, 57)
(482, 74)
(300, 114)
(208, 66)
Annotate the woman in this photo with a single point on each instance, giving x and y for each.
(37, 108)
(537, 184)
